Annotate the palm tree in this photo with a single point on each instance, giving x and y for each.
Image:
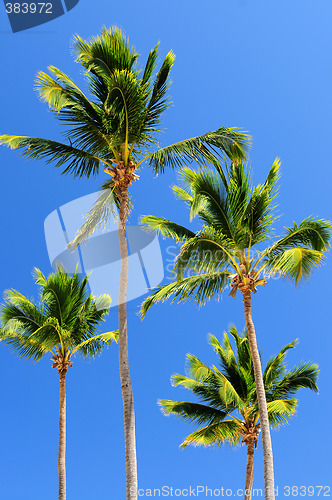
(236, 218)
(116, 127)
(231, 390)
(63, 323)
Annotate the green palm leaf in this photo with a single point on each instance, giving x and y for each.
(192, 412)
(96, 344)
(295, 263)
(79, 162)
(103, 211)
(202, 148)
(201, 287)
(216, 434)
(166, 228)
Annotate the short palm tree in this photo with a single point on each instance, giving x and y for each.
(63, 323)
(115, 126)
(228, 408)
(236, 218)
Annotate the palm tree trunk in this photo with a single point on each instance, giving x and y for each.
(264, 421)
(62, 437)
(250, 471)
(126, 387)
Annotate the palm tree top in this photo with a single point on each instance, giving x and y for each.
(118, 119)
(227, 402)
(236, 218)
(63, 321)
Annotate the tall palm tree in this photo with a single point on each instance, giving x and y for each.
(115, 126)
(237, 217)
(227, 407)
(63, 323)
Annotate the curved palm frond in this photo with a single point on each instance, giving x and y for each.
(276, 367)
(201, 287)
(294, 263)
(103, 211)
(94, 345)
(280, 410)
(314, 234)
(303, 376)
(166, 228)
(157, 103)
(202, 149)
(23, 345)
(216, 434)
(79, 163)
(192, 412)
(208, 252)
(257, 218)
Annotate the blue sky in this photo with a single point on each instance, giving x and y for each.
(264, 67)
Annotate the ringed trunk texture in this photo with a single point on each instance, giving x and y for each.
(264, 421)
(62, 437)
(250, 471)
(126, 387)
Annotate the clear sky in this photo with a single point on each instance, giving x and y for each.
(262, 66)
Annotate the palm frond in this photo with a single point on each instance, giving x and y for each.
(111, 47)
(201, 287)
(311, 233)
(25, 346)
(209, 251)
(94, 345)
(206, 389)
(257, 218)
(276, 367)
(80, 163)
(196, 369)
(166, 228)
(294, 263)
(217, 434)
(208, 199)
(157, 103)
(150, 66)
(202, 149)
(192, 412)
(279, 411)
(305, 375)
(100, 215)
(228, 394)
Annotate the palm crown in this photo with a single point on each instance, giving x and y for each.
(64, 322)
(119, 120)
(236, 217)
(228, 408)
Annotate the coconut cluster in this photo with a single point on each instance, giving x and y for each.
(122, 176)
(247, 283)
(61, 363)
(250, 435)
